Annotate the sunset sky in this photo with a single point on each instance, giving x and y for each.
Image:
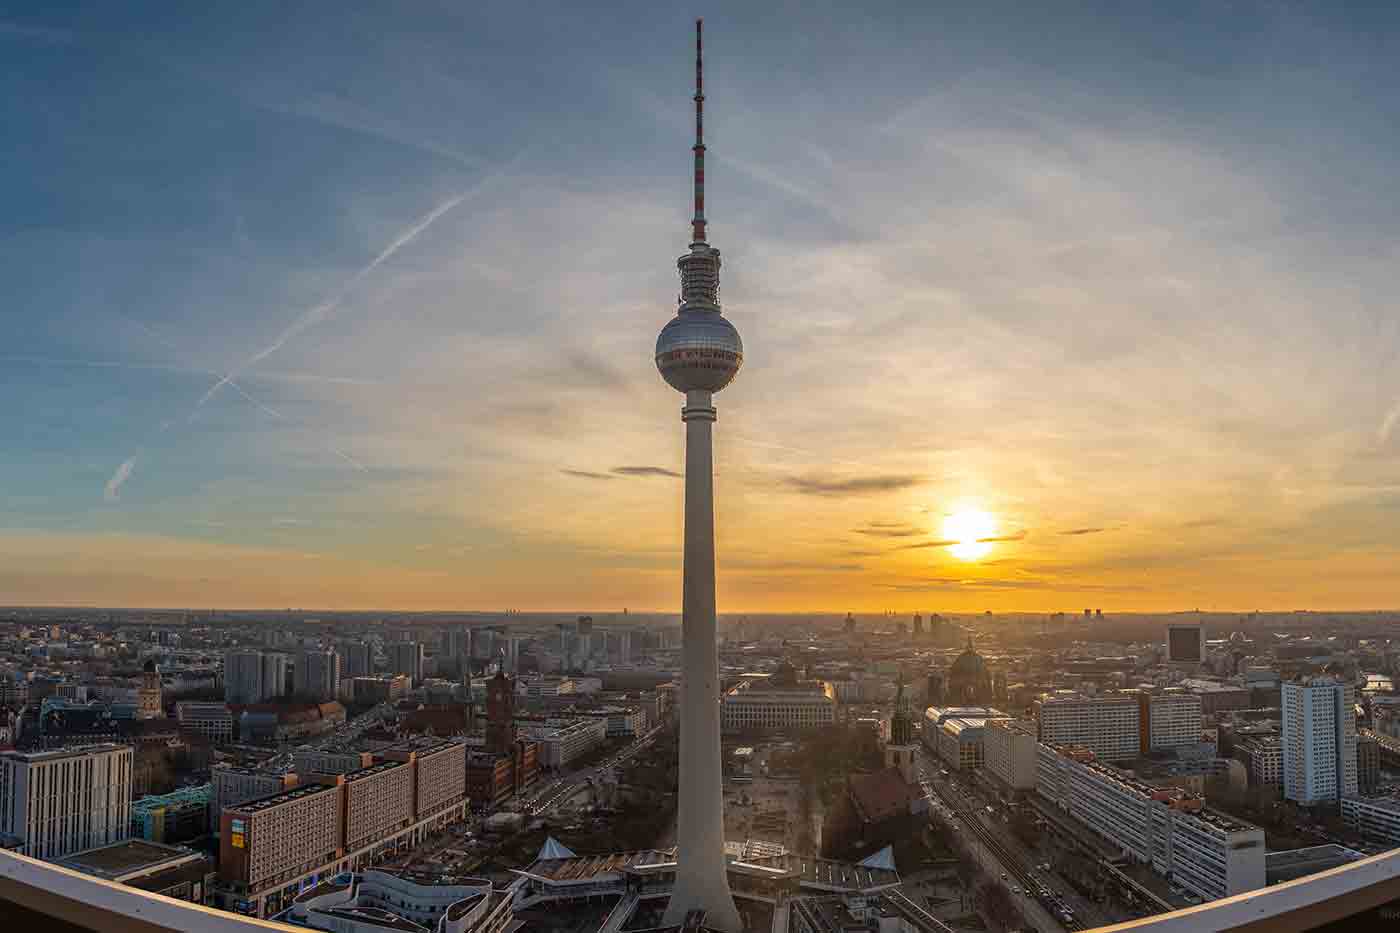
(350, 305)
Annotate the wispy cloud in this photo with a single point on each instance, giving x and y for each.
(587, 474)
(645, 471)
(1387, 427)
(1017, 536)
(112, 491)
(941, 542)
(1083, 531)
(875, 530)
(817, 485)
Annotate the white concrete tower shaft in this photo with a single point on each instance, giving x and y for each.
(699, 353)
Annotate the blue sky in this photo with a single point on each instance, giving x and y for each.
(1080, 268)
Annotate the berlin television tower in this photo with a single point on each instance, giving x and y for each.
(699, 352)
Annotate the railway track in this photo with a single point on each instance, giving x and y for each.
(1011, 860)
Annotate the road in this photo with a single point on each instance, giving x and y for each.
(565, 786)
(1000, 860)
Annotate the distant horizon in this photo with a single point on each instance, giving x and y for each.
(613, 615)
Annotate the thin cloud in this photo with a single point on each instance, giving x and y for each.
(1387, 428)
(813, 485)
(942, 542)
(1083, 531)
(112, 491)
(877, 530)
(586, 474)
(645, 471)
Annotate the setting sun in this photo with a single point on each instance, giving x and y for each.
(969, 528)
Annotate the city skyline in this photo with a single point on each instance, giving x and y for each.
(1049, 310)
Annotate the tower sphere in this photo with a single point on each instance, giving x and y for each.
(699, 350)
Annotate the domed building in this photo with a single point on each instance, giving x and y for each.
(969, 682)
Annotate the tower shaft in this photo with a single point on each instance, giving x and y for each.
(702, 880)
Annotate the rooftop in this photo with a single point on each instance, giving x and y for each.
(123, 858)
(276, 800)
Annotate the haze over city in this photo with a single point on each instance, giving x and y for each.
(1044, 310)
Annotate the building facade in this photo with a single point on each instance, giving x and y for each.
(1374, 818)
(755, 706)
(214, 721)
(317, 675)
(408, 658)
(56, 803)
(1110, 725)
(1319, 741)
(1201, 850)
(1011, 752)
(1173, 720)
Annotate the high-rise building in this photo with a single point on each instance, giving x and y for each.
(918, 625)
(358, 659)
(318, 675)
(1319, 740)
(459, 642)
(252, 676)
(1186, 643)
(699, 353)
(1010, 752)
(1171, 720)
(1109, 725)
(408, 658)
(274, 676)
(55, 803)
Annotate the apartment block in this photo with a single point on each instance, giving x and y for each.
(1173, 720)
(441, 775)
(1375, 818)
(55, 803)
(1202, 850)
(1319, 740)
(1011, 752)
(1110, 726)
(231, 786)
(378, 801)
(267, 842)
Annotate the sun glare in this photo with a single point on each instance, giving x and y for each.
(969, 528)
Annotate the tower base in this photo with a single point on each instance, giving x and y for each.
(693, 893)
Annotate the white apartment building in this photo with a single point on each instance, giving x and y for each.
(756, 705)
(1174, 720)
(1319, 740)
(59, 802)
(1011, 752)
(1375, 818)
(1108, 725)
(211, 720)
(1203, 851)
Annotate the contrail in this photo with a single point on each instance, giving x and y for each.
(328, 309)
(112, 491)
(1388, 425)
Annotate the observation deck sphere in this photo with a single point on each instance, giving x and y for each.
(699, 350)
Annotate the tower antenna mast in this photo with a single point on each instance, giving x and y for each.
(697, 223)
